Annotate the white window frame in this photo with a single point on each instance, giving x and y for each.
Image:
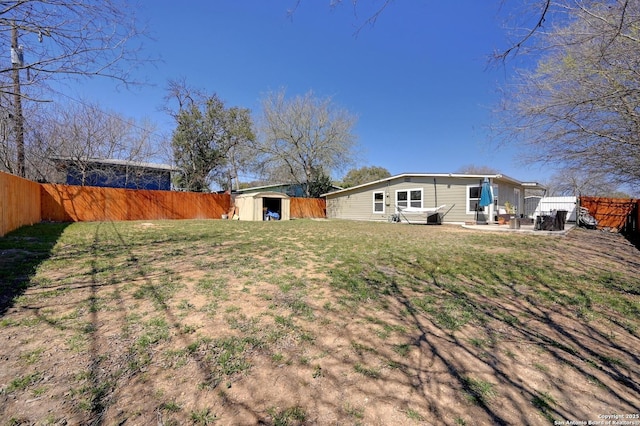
(382, 202)
(476, 200)
(409, 201)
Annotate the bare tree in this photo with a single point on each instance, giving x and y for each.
(579, 107)
(58, 39)
(304, 139)
(531, 19)
(241, 159)
(371, 15)
(580, 182)
(473, 169)
(532, 16)
(7, 149)
(68, 38)
(79, 134)
(543, 15)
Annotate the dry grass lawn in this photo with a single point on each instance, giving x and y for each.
(315, 322)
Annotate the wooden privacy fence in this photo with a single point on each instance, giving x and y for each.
(19, 202)
(65, 203)
(621, 214)
(23, 202)
(313, 208)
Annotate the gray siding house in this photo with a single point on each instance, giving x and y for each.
(458, 193)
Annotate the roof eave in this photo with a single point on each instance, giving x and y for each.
(434, 175)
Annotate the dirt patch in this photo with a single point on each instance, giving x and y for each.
(310, 331)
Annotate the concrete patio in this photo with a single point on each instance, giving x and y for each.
(524, 229)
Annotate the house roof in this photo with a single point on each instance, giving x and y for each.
(498, 176)
(116, 162)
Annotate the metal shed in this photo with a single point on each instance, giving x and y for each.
(254, 206)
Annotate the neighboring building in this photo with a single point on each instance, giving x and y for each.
(113, 173)
(459, 193)
(290, 189)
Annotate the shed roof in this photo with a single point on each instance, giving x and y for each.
(265, 194)
(265, 188)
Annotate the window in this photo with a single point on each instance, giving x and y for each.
(378, 202)
(416, 198)
(473, 199)
(401, 199)
(409, 198)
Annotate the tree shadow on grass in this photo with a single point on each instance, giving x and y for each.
(499, 348)
(502, 348)
(633, 238)
(111, 372)
(21, 252)
(400, 337)
(554, 331)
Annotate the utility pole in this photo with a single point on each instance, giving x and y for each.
(18, 119)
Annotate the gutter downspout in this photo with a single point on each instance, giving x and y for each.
(435, 192)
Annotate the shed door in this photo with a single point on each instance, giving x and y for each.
(272, 205)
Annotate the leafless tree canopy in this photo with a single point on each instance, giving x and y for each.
(54, 40)
(70, 38)
(580, 107)
(474, 169)
(369, 16)
(304, 138)
(581, 182)
(84, 132)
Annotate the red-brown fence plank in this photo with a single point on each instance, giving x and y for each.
(301, 208)
(609, 212)
(66, 203)
(27, 202)
(19, 202)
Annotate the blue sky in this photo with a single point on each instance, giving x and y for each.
(418, 80)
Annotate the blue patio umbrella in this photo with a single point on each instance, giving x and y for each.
(486, 194)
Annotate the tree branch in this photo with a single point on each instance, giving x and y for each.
(543, 15)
